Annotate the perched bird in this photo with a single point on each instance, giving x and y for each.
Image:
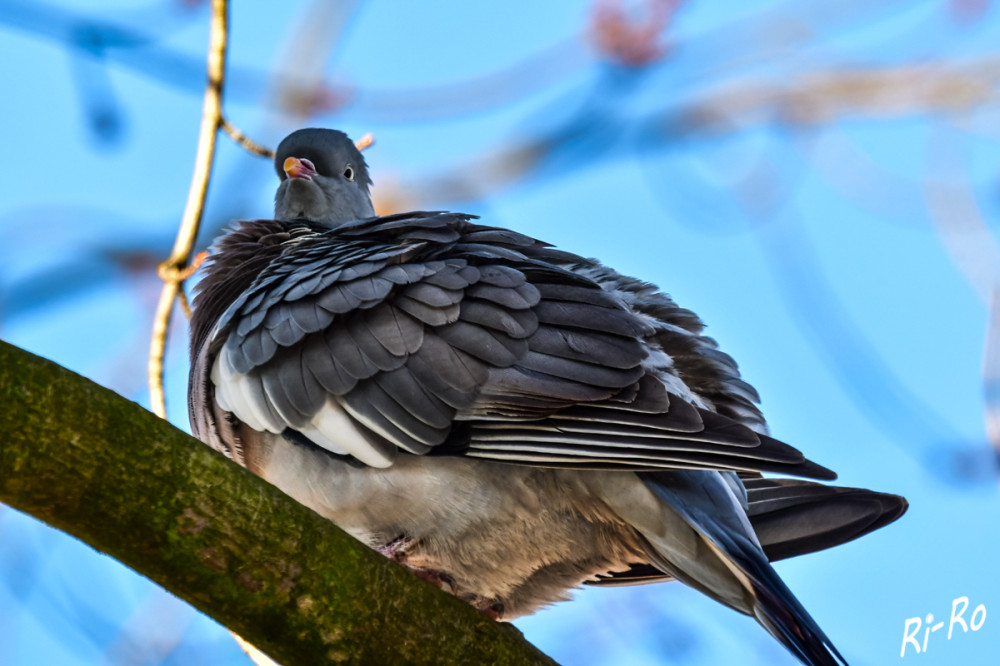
(505, 419)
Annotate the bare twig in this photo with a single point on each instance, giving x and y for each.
(172, 270)
(244, 141)
(182, 300)
(167, 272)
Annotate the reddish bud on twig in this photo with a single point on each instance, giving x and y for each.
(629, 41)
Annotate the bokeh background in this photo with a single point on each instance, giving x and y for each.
(819, 181)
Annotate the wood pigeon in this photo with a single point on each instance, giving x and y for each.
(503, 418)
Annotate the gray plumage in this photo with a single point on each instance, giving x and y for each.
(506, 418)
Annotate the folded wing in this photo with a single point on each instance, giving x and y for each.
(428, 334)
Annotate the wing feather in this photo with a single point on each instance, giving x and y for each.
(394, 329)
(427, 333)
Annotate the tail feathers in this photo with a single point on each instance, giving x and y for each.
(792, 517)
(778, 611)
(711, 546)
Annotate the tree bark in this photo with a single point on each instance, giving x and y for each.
(97, 466)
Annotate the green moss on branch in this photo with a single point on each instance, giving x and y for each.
(101, 468)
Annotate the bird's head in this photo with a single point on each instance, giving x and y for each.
(324, 178)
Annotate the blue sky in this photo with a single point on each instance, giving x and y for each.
(843, 262)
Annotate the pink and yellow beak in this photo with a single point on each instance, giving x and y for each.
(299, 168)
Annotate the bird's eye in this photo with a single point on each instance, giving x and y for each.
(349, 172)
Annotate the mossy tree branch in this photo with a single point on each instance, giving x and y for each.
(101, 468)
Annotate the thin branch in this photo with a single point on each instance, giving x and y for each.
(99, 467)
(244, 141)
(172, 269)
(182, 300)
(181, 276)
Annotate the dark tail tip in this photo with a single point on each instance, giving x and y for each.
(783, 616)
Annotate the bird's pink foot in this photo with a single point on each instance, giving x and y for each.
(398, 550)
(490, 608)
